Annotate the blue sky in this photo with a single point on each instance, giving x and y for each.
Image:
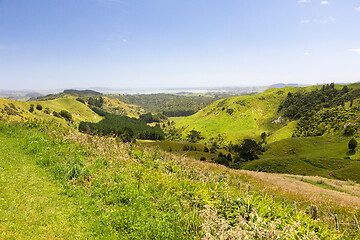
(47, 44)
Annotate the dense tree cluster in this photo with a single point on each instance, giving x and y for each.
(194, 136)
(297, 105)
(124, 127)
(97, 102)
(169, 104)
(328, 120)
(239, 153)
(150, 118)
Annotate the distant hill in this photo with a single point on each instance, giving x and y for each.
(283, 85)
(68, 92)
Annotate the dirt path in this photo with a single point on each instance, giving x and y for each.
(312, 189)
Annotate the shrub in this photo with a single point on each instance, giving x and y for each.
(65, 114)
(56, 114)
(352, 144)
(31, 108)
(47, 110)
(80, 100)
(39, 107)
(350, 130)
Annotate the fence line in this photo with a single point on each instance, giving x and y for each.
(314, 211)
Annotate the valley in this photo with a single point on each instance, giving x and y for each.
(118, 159)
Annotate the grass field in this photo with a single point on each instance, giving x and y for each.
(32, 205)
(312, 156)
(178, 149)
(98, 188)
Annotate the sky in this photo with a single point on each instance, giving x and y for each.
(51, 44)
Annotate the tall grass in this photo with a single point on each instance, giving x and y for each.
(129, 192)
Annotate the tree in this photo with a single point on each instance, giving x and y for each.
(352, 144)
(194, 136)
(249, 150)
(39, 107)
(350, 130)
(263, 136)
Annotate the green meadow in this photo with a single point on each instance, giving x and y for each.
(59, 184)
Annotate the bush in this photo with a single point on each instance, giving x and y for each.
(56, 114)
(31, 108)
(194, 136)
(350, 130)
(47, 111)
(65, 114)
(80, 100)
(352, 144)
(39, 107)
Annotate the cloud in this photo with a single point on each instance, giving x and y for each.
(324, 2)
(305, 21)
(307, 53)
(356, 50)
(357, 9)
(303, 1)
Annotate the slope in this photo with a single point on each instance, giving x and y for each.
(128, 192)
(18, 110)
(237, 117)
(31, 205)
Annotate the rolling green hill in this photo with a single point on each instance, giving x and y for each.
(99, 188)
(19, 110)
(313, 141)
(128, 191)
(248, 116)
(237, 117)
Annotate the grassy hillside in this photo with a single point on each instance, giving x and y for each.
(325, 153)
(248, 116)
(237, 117)
(121, 191)
(196, 151)
(17, 110)
(115, 106)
